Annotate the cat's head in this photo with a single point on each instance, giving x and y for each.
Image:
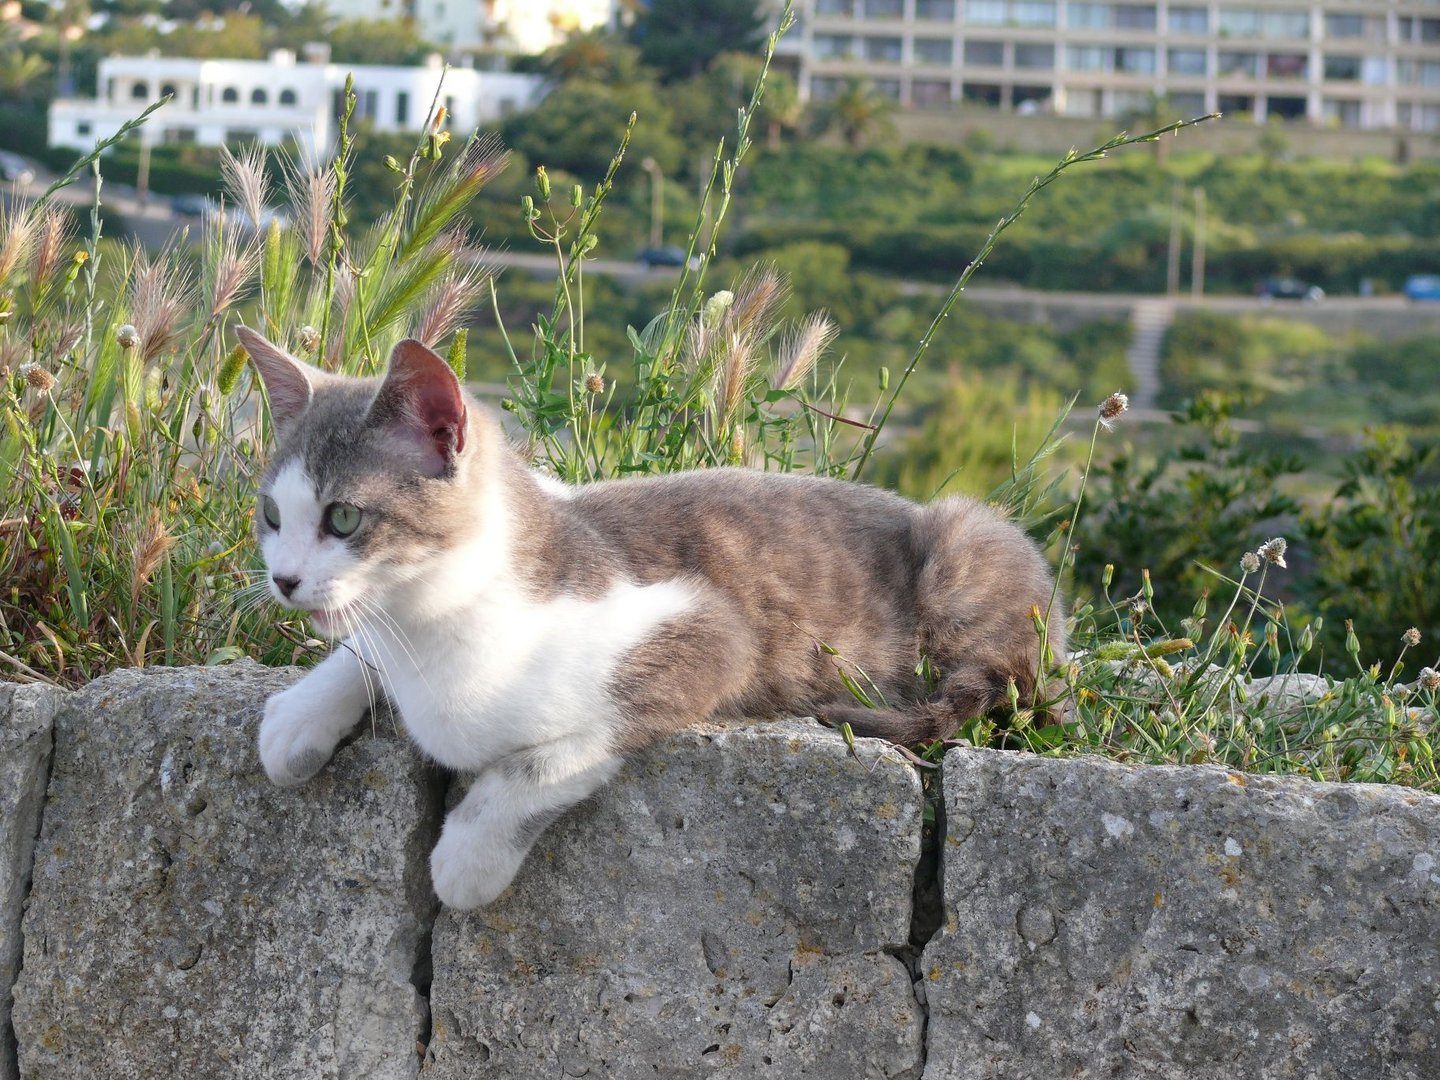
(367, 482)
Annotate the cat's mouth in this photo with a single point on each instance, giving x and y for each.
(327, 620)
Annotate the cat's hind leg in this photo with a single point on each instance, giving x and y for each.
(304, 724)
(486, 837)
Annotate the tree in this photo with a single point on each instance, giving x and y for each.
(856, 111)
(681, 38)
(579, 125)
(378, 41)
(597, 56)
(20, 72)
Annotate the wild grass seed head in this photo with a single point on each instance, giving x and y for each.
(245, 181)
(803, 347)
(1273, 552)
(1111, 408)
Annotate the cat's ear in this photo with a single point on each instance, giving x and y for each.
(421, 397)
(289, 383)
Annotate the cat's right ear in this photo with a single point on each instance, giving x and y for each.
(290, 383)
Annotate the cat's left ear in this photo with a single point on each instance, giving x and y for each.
(421, 397)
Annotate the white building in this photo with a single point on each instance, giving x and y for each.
(226, 101)
(1341, 63)
(518, 27)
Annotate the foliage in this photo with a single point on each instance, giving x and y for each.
(680, 38)
(1375, 546)
(376, 41)
(855, 112)
(129, 434)
(576, 123)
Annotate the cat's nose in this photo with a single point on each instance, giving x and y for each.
(286, 585)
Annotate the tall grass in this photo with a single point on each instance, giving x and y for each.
(131, 431)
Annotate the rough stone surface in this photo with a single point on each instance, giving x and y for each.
(190, 920)
(1104, 920)
(25, 726)
(725, 906)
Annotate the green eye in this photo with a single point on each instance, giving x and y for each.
(342, 519)
(271, 512)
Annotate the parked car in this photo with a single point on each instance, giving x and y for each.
(201, 206)
(1423, 287)
(666, 256)
(14, 169)
(1288, 288)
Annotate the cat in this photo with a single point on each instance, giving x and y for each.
(534, 633)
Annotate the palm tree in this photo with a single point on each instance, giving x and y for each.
(855, 110)
(20, 71)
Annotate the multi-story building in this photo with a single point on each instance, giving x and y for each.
(1344, 63)
(226, 101)
(519, 27)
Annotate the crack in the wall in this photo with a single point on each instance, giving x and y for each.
(9, 1040)
(927, 904)
(422, 972)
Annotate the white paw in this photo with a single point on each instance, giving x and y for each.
(297, 737)
(471, 866)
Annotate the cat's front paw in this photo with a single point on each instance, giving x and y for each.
(471, 867)
(296, 737)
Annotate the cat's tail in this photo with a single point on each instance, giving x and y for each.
(942, 716)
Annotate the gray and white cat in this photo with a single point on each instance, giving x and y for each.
(534, 633)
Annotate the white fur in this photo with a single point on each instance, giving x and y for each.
(553, 485)
(480, 672)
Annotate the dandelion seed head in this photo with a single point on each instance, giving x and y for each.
(1111, 408)
(1273, 551)
(1429, 679)
(126, 336)
(1250, 562)
(1411, 637)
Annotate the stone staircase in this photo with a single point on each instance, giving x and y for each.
(1149, 320)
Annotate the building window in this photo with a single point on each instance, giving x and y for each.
(1342, 68)
(140, 91)
(1035, 57)
(1088, 16)
(1287, 65)
(1376, 71)
(930, 93)
(240, 135)
(168, 90)
(1187, 104)
(1185, 61)
(1132, 103)
(1032, 13)
(1087, 58)
(1031, 99)
(402, 108)
(369, 102)
(229, 95)
(1343, 26)
(984, 54)
(824, 87)
(1134, 17)
(981, 93)
(887, 88)
(1189, 20)
(832, 46)
(934, 51)
(834, 7)
(1418, 72)
(258, 96)
(1236, 104)
(1239, 64)
(1344, 114)
(287, 97)
(986, 12)
(1248, 22)
(1286, 108)
(882, 9)
(449, 109)
(1419, 30)
(82, 128)
(935, 11)
(1135, 61)
(885, 50)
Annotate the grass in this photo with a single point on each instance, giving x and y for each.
(131, 433)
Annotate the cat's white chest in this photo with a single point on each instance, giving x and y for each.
(507, 673)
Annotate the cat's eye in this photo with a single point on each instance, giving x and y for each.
(271, 512)
(342, 519)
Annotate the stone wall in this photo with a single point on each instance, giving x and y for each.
(750, 901)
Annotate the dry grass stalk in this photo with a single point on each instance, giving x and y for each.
(311, 188)
(245, 181)
(160, 300)
(234, 267)
(152, 544)
(18, 230)
(803, 347)
(451, 300)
